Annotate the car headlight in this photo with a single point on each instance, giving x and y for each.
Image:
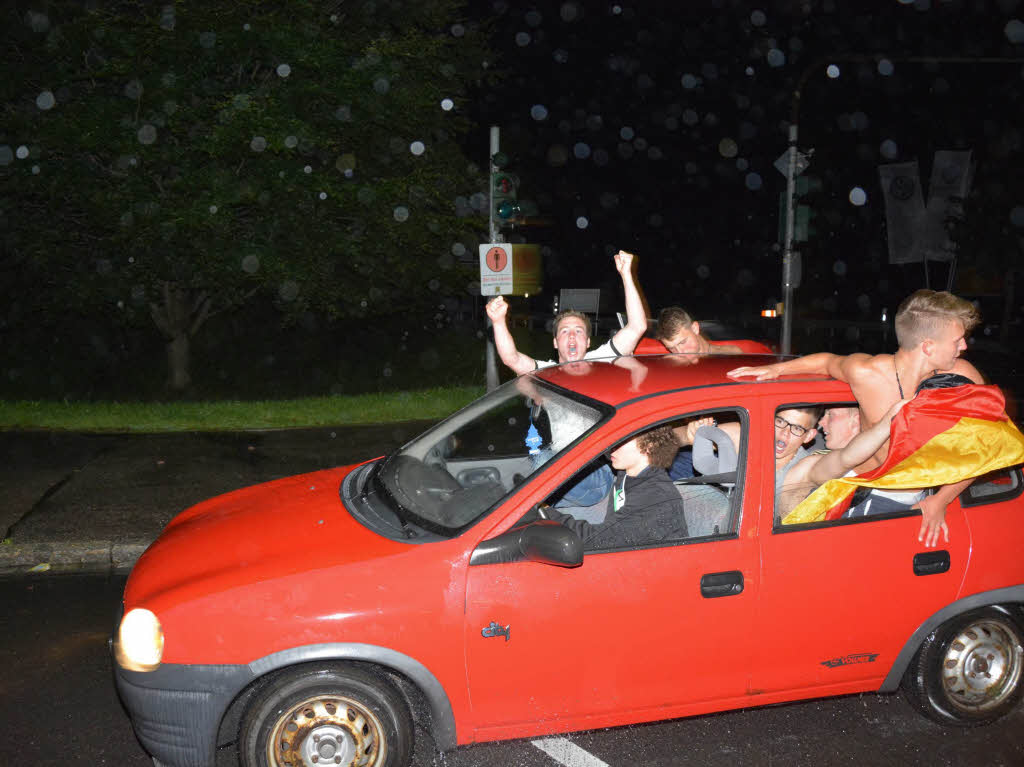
(140, 641)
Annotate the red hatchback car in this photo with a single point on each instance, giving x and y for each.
(312, 619)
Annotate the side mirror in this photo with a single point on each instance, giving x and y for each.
(544, 541)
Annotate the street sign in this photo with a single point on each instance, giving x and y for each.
(495, 268)
(510, 269)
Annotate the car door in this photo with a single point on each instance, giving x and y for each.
(628, 631)
(839, 599)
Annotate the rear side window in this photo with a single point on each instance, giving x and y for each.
(997, 486)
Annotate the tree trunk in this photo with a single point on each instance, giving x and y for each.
(178, 362)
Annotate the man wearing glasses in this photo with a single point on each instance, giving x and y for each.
(794, 428)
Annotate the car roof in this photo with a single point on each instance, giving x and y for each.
(616, 380)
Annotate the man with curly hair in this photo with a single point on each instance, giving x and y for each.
(644, 506)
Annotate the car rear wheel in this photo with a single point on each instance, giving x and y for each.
(969, 670)
(319, 716)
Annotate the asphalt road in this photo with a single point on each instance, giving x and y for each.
(59, 706)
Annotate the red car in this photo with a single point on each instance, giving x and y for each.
(310, 620)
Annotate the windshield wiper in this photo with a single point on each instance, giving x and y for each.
(374, 486)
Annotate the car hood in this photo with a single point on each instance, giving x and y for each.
(257, 533)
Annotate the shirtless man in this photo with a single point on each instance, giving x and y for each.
(679, 333)
(931, 329)
(572, 329)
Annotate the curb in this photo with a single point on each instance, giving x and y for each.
(63, 556)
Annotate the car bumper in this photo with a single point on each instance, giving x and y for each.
(176, 710)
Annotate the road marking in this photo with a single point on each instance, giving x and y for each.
(567, 753)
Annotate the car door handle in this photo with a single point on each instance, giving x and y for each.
(931, 562)
(714, 585)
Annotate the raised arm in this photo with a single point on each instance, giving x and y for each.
(859, 449)
(626, 338)
(822, 363)
(497, 310)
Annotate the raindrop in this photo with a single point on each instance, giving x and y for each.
(434, 285)
(246, 27)
(561, 56)
(569, 12)
(133, 90)
(690, 117)
(381, 85)
(741, 163)
(307, 169)
(689, 81)
(22, 152)
(289, 290)
(889, 149)
(417, 148)
(6, 155)
(581, 150)
(323, 195)
(344, 113)
(213, 209)
(832, 71)
(703, 271)
(839, 268)
(1017, 216)
(35, 170)
(283, 70)
(858, 196)
(885, 67)
(458, 250)
(1014, 31)
(582, 222)
(291, 142)
(539, 112)
(776, 58)
(401, 213)
(251, 264)
(208, 39)
(458, 30)
(258, 144)
(753, 181)
(860, 121)
(447, 105)
(727, 148)
(626, 133)
(45, 100)
(758, 18)
(749, 71)
(522, 39)
(147, 134)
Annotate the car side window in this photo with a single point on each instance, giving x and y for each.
(997, 486)
(690, 489)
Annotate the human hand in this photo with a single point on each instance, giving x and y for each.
(760, 373)
(895, 409)
(696, 423)
(497, 308)
(933, 520)
(623, 262)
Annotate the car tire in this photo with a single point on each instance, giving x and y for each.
(969, 670)
(339, 714)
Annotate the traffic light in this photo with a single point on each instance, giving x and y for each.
(504, 187)
(804, 214)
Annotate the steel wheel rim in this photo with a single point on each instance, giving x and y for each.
(981, 667)
(327, 730)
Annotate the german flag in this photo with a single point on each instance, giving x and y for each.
(940, 437)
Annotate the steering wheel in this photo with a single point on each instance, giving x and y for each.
(417, 477)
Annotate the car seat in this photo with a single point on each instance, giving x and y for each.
(707, 506)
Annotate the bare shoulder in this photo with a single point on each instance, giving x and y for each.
(965, 368)
(864, 367)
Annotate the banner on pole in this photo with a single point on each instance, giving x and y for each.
(904, 209)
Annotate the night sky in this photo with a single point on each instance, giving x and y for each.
(654, 126)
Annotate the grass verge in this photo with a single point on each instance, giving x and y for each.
(150, 417)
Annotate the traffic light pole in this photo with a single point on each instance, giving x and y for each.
(491, 370)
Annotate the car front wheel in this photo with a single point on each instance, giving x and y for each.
(968, 671)
(319, 716)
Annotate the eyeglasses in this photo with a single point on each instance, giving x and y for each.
(794, 428)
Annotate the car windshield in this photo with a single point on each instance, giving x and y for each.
(445, 479)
